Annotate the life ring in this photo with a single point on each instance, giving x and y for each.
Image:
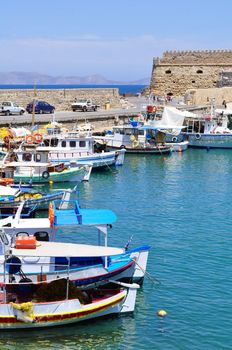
(30, 139)
(45, 174)
(38, 138)
(198, 136)
(174, 139)
(51, 214)
(6, 139)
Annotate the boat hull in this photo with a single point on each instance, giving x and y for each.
(59, 313)
(73, 174)
(97, 160)
(145, 150)
(223, 141)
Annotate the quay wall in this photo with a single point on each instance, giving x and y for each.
(62, 98)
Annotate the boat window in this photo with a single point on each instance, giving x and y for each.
(63, 144)
(121, 131)
(72, 143)
(168, 71)
(141, 132)
(37, 157)
(27, 157)
(82, 143)
(54, 142)
(199, 71)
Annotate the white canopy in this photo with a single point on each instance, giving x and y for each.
(20, 132)
(8, 191)
(172, 120)
(58, 249)
(226, 111)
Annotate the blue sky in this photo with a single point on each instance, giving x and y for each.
(117, 39)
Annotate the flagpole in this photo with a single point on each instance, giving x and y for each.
(33, 106)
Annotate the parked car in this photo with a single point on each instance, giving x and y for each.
(84, 105)
(40, 107)
(8, 108)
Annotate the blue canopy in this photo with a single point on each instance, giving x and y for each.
(75, 216)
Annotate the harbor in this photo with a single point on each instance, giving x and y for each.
(115, 176)
(189, 269)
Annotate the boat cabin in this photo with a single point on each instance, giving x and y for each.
(71, 145)
(128, 135)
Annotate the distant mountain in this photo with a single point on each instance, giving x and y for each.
(40, 79)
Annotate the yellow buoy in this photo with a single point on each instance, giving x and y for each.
(161, 313)
(50, 182)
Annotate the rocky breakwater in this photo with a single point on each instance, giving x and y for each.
(62, 98)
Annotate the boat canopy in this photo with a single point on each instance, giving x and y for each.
(60, 249)
(8, 191)
(72, 215)
(172, 120)
(226, 111)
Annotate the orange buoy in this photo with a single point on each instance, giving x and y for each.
(161, 313)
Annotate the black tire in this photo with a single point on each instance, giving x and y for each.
(52, 111)
(45, 174)
(7, 113)
(21, 112)
(22, 234)
(84, 109)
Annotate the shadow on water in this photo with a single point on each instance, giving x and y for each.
(104, 333)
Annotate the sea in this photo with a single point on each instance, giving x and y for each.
(179, 204)
(123, 89)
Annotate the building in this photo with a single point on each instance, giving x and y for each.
(178, 71)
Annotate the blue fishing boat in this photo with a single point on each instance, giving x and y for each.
(84, 264)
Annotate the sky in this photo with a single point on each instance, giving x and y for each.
(117, 39)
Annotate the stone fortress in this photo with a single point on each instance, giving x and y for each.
(178, 73)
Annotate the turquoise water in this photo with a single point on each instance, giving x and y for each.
(181, 205)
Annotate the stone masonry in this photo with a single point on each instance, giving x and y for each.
(178, 71)
(62, 98)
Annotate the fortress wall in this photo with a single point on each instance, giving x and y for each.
(177, 71)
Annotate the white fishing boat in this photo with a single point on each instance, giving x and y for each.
(134, 139)
(169, 121)
(27, 165)
(78, 148)
(210, 130)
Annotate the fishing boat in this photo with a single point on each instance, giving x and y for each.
(26, 165)
(89, 263)
(210, 130)
(59, 302)
(78, 148)
(134, 139)
(11, 198)
(168, 121)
